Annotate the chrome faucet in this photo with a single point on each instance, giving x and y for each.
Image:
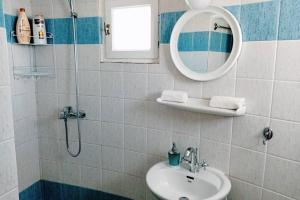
(68, 113)
(190, 160)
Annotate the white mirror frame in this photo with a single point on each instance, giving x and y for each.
(230, 62)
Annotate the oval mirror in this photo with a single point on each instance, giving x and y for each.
(206, 43)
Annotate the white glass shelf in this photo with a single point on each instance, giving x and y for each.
(34, 71)
(202, 106)
(49, 36)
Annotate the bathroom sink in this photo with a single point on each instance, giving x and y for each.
(177, 183)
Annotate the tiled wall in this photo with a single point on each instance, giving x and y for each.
(126, 131)
(24, 102)
(8, 165)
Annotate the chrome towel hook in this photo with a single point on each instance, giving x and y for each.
(268, 135)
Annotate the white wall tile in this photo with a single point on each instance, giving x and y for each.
(158, 83)
(216, 128)
(258, 95)
(262, 55)
(247, 132)
(89, 82)
(112, 159)
(50, 170)
(285, 101)
(71, 174)
(135, 163)
(90, 178)
(287, 61)
(165, 65)
(134, 187)
(65, 81)
(135, 112)
(216, 154)
(135, 138)
(112, 84)
(12, 195)
(220, 87)
(158, 142)
(49, 149)
(6, 128)
(247, 165)
(87, 8)
(135, 85)
(8, 169)
(243, 191)
(193, 88)
(143, 68)
(112, 109)
(159, 116)
(186, 122)
(89, 57)
(267, 195)
(90, 155)
(112, 134)
(282, 176)
(286, 140)
(112, 182)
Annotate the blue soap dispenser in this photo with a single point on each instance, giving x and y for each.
(174, 156)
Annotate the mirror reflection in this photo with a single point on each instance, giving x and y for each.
(205, 42)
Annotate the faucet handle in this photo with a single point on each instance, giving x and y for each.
(204, 164)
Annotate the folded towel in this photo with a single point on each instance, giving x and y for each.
(174, 96)
(231, 103)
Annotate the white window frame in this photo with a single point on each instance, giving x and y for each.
(151, 56)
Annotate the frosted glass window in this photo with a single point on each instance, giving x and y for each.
(131, 27)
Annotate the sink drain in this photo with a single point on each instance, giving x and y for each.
(183, 198)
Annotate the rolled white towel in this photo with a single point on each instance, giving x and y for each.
(231, 103)
(174, 96)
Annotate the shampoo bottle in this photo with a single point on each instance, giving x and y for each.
(23, 30)
(39, 30)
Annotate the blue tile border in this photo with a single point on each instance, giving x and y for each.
(259, 21)
(1, 14)
(289, 26)
(47, 190)
(205, 41)
(88, 30)
(263, 21)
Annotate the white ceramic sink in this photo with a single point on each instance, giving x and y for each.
(173, 183)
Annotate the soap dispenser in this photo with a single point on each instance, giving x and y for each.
(174, 156)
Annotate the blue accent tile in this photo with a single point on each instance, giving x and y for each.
(235, 10)
(10, 23)
(1, 14)
(89, 30)
(199, 41)
(185, 42)
(259, 21)
(167, 23)
(215, 41)
(63, 30)
(289, 26)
